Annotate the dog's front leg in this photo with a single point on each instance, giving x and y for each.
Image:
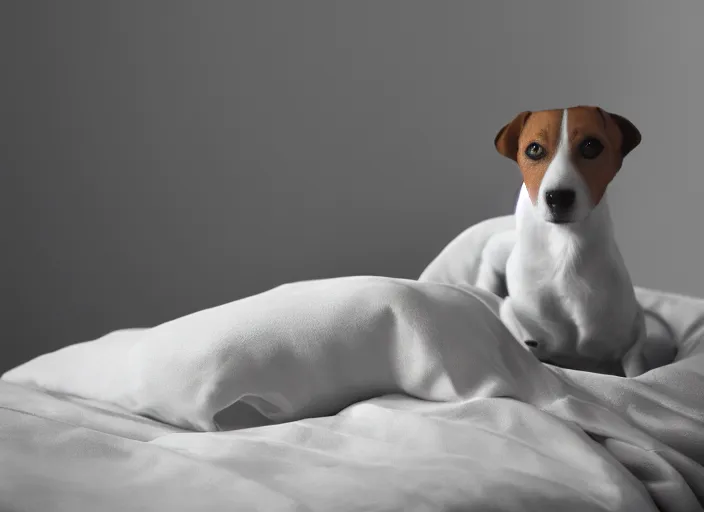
(492, 266)
(510, 318)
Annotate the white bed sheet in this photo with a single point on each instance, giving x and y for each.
(393, 453)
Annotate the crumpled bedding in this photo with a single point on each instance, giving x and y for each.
(360, 393)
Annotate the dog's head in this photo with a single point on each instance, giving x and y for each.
(567, 157)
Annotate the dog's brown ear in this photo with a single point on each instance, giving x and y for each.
(630, 135)
(506, 141)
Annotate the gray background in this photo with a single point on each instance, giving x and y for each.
(162, 157)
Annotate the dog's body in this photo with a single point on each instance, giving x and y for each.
(570, 298)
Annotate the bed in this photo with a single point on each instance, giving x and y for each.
(350, 394)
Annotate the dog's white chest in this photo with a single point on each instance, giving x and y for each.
(574, 297)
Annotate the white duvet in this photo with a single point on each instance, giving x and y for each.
(360, 393)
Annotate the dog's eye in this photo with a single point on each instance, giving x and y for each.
(535, 151)
(591, 148)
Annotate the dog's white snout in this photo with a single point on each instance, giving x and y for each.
(564, 198)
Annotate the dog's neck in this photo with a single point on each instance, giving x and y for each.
(594, 230)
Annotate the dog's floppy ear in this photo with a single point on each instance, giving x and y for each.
(506, 141)
(630, 135)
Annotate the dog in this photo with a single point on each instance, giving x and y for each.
(568, 295)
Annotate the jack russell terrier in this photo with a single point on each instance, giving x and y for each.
(570, 299)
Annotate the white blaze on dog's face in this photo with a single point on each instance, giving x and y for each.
(567, 157)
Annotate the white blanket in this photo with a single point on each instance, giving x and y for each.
(463, 419)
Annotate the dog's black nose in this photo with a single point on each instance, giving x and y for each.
(560, 200)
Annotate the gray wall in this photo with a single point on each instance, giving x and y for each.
(162, 157)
